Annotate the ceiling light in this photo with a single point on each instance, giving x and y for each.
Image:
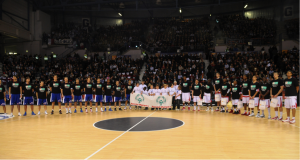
(179, 10)
(246, 5)
(120, 14)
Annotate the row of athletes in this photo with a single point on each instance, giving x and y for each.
(265, 91)
(244, 91)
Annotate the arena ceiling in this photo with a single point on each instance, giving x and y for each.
(124, 5)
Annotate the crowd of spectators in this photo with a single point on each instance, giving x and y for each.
(172, 34)
(262, 64)
(121, 68)
(166, 69)
(237, 26)
(292, 28)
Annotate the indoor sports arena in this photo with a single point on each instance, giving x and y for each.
(149, 79)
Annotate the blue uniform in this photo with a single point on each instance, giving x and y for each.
(55, 97)
(42, 102)
(128, 97)
(15, 99)
(2, 102)
(107, 99)
(88, 98)
(117, 99)
(98, 98)
(77, 98)
(67, 99)
(27, 100)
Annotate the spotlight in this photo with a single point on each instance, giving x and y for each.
(179, 10)
(246, 5)
(120, 14)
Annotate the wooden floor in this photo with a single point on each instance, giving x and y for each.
(205, 135)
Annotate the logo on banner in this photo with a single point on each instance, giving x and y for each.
(161, 100)
(139, 98)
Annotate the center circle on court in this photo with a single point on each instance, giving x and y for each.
(140, 124)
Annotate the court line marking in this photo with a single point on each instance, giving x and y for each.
(117, 137)
(140, 131)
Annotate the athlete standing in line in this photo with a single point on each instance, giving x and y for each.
(107, 93)
(28, 96)
(196, 94)
(41, 95)
(276, 92)
(236, 94)
(225, 90)
(117, 95)
(66, 95)
(55, 94)
(128, 90)
(2, 97)
(217, 87)
(254, 95)
(88, 97)
(77, 91)
(265, 95)
(186, 98)
(98, 94)
(291, 92)
(245, 84)
(15, 94)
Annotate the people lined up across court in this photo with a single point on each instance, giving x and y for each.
(236, 91)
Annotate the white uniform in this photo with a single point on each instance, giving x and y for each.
(137, 89)
(145, 92)
(290, 102)
(172, 90)
(178, 93)
(142, 86)
(164, 91)
(157, 91)
(150, 91)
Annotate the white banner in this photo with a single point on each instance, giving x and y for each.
(150, 101)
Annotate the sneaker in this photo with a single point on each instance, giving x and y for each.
(4, 114)
(244, 114)
(11, 115)
(19, 114)
(262, 116)
(249, 114)
(199, 110)
(212, 109)
(292, 121)
(269, 117)
(110, 109)
(60, 112)
(252, 115)
(70, 111)
(275, 118)
(130, 108)
(152, 109)
(91, 110)
(25, 114)
(227, 111)
(183, 108)
(231, 111)
(207, 109)
(286, 120)
(96, 109)
(75, 111)
(217, 110)
(81, 110)
(101, 109)
(86, 111)
(33, 114)
(46, 113)
(280, 119)
(194, 110)
(257, 116)
(52, 112)
(104, 109)
(125, 108)
(120, 109)
(39, 113)
(67, 112)
(222, 111)
(189, 108)
(115, 109)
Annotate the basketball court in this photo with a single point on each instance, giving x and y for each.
(139, 134)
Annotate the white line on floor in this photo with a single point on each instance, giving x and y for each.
(117, 137)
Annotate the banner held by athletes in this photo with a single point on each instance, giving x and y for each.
(151, 101)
